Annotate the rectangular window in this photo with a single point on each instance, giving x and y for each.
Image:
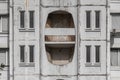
(31, 16)
(115, 20)
(22, 53)
(4, 23)
(97, 19)
(97, 52)
(115, 57)
(88, 19)
(22, 19)
(88, 53)
(2, 56)
(31, 51)
(0, 23)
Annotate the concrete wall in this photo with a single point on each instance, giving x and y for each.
(27, 36)
(42, 69)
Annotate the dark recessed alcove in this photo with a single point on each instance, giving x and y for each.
(60, 19)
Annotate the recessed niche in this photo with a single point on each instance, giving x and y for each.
(60, 54)
(60, 19)
(60, 38)
(59, 44)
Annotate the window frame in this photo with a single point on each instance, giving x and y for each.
(31, 15)
(22, 55)
(112, 22)
(118, 56)
(7, 22)
(88, 61)
(22, 21)
(88, 19)
(26, 62)
(99, 50)
(92, 51)
(2, 26)
(1, 23)
(33, 52)
(97, 19)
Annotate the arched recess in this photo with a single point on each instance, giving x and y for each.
(59, 40)
(60, 19)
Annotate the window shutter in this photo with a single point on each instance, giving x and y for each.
(114, 57)
(2, 56)
(115, 20)
(5, 24)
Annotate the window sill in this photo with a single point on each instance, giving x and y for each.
(115, 68)
(3, 32)
(4, 1)
(23, 64)
(4, 69)
(92, 65)
(95, 30)
(27, 30)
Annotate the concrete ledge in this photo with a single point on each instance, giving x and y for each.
(92, 65)
(26, 30)
(26, 64)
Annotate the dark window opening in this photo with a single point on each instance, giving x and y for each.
(31, 15)
(88, 19)
(88, 53)
(60, 19)
(97, 19)
(97, 51)
(31, 50)
(60, 54)
(22, 53)
(22, 19)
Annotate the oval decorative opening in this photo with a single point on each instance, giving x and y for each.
(59, 43)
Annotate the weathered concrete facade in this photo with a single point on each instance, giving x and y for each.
(57, 39)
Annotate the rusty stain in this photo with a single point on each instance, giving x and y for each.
(60, 38)
(26, 4)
